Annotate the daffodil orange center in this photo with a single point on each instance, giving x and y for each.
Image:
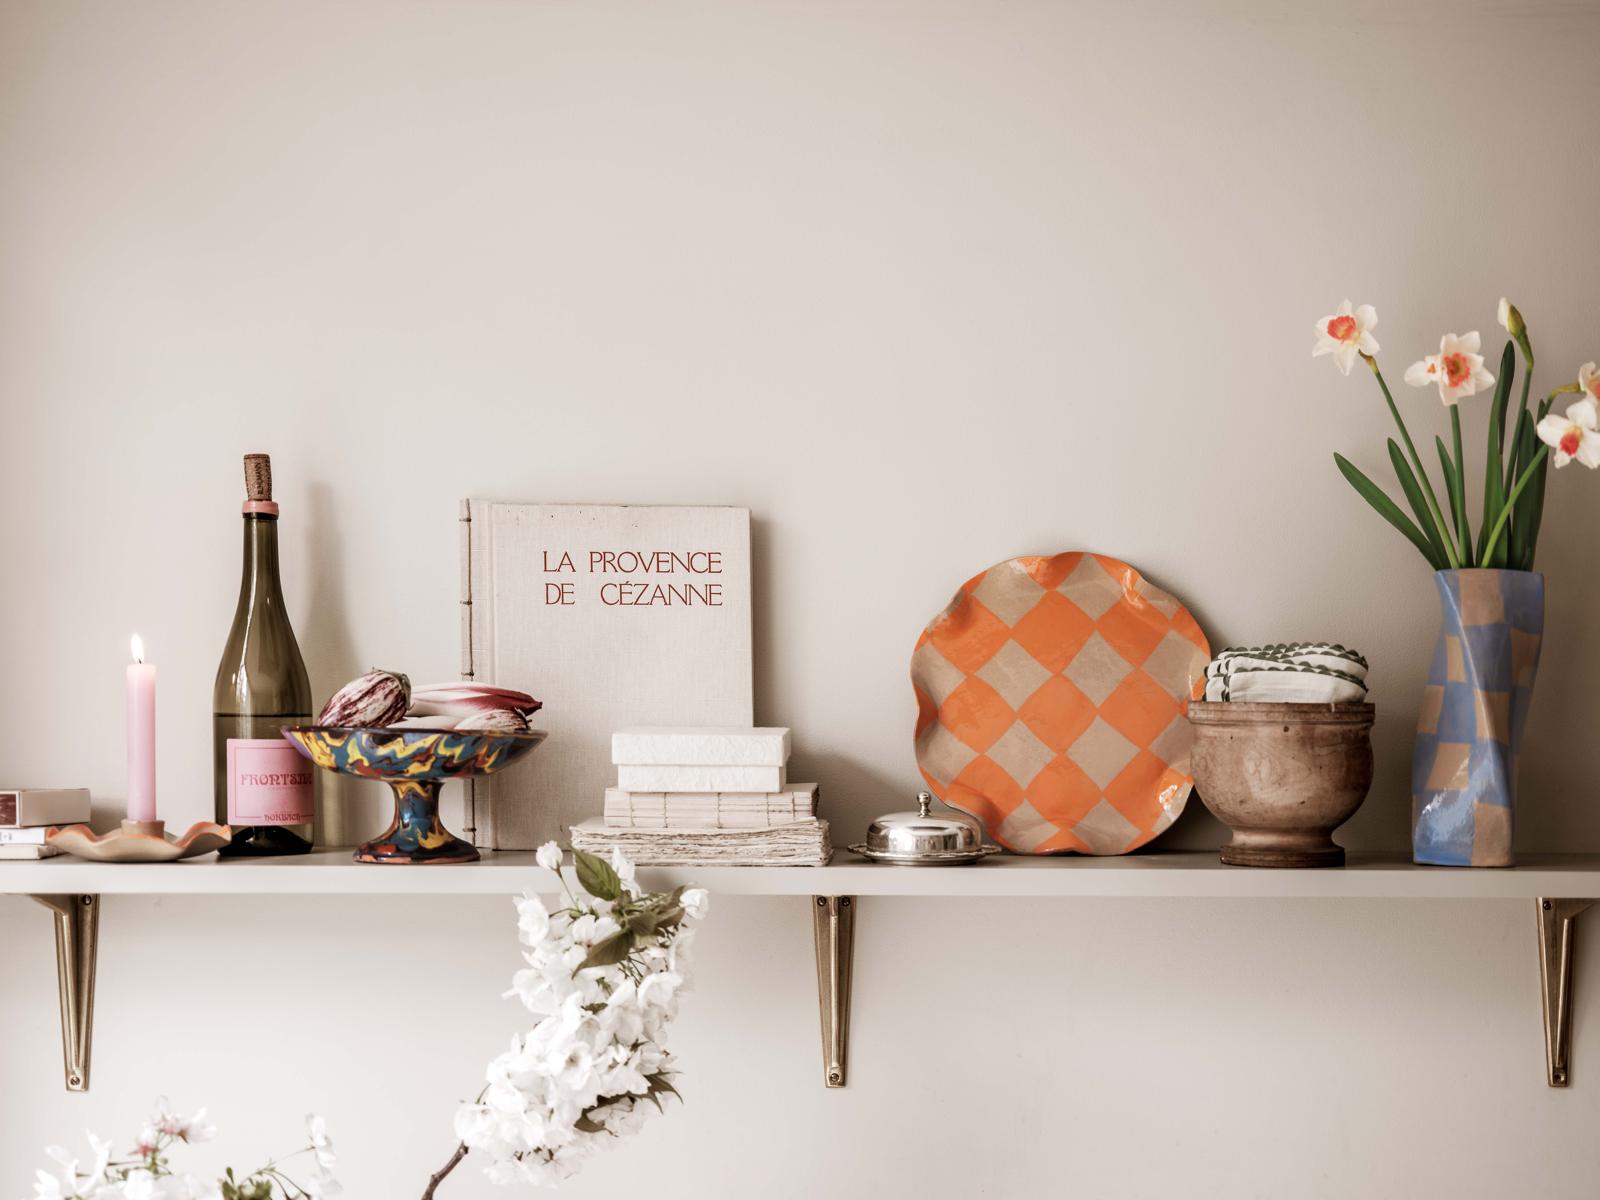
(1570, 441)
(1456, 369)
(1342, 329)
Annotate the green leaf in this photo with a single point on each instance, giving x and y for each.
(1457, 492)
(596, 877)
(642, 923)
(1414, 497)
(661, 1085)
(610, 952)
(1388, 510)
(1494, 466)
(587, 1124)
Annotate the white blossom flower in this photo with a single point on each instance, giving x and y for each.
(321, 1143)
(1589, 381)
(1457, 369)
(658, 988)
(533, 919)
(197, 1128)
(696, 902)
(102, 1160)
(59, 1184)
(1574, 436)
(572, 1083)
(624, 870)
(548, 856)
(1346, 334)
(322, 1184)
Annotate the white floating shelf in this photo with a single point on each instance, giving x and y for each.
(1562, 886)
(1193, 875)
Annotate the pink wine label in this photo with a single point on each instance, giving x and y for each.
(269, 783)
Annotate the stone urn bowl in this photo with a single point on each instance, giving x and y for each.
(1282, 777)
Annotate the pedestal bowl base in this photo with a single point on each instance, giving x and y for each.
(416, 835)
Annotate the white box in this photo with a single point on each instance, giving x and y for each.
(705, 746)
(700, 779)
(43, 806)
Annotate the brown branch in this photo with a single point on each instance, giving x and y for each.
(437, 1177)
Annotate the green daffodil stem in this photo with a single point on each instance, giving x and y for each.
(1566, 389)
(1500, 523)
(1451, 552)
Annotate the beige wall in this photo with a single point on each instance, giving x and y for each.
(924, 286)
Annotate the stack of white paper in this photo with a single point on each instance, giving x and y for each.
(797, 844)
(710, 810)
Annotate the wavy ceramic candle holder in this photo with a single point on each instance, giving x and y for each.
(139, 841)
(415, 763)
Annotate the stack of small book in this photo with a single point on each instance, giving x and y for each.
(707, 796)
(27, 814)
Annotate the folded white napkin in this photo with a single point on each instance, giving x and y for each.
(1288, 673)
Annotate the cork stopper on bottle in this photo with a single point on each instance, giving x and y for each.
(258, 485)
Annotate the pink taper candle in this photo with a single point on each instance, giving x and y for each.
(141, 736)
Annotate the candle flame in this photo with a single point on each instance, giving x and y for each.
(136, 645)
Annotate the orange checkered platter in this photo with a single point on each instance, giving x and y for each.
(1050, 702)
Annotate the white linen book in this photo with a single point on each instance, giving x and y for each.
(702, 779)
(709, 810)
(701, 747)
(615, 616)
(14, 850)
(33, 835)
(800, 844)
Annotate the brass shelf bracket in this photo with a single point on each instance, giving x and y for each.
(77, 941)
(833, 924)
(1556, 919)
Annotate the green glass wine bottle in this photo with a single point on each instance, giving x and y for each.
(264, 789)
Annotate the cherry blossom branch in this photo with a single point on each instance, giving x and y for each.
(438, 1176)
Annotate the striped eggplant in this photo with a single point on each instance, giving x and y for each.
(494, 720)
(461, 700)
(377, 698)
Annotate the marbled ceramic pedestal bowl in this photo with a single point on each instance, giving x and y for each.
(415, 763)
(1282, 777)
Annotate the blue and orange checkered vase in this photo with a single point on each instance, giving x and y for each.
(1474, 711)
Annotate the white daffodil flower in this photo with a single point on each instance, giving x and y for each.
(1457, 369)
(1575, 435)
(1346, 334)
(1589, 381)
